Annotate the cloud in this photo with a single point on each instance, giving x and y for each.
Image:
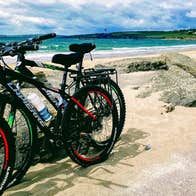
(191, 14)
(91, 16)
(22, 19)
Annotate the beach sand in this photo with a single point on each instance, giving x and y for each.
(167, 168)
(190, 53)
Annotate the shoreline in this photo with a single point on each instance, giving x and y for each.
(46, 57)
(103, 60)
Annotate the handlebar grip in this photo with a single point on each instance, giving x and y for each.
(46, 36)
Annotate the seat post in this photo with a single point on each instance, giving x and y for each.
(79, 73)
(64, 81)
(79, 66)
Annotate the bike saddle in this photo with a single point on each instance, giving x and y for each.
(82, 48)
(67, 59)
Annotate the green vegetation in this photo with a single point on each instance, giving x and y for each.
(177, 34)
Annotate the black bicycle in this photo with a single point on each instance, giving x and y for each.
(86, 126)
(82, 77)
(100, 77)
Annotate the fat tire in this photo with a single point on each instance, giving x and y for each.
(18, 173)
(75, 156)
(122, 112)
(7, 169)
(113, 88)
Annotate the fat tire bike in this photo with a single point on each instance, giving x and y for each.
(86, 127)
(82, 77)
(100, 77)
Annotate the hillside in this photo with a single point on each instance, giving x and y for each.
(177, 34)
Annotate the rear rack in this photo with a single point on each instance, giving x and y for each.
(94, 71)
(97, 74)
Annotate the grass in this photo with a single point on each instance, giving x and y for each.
(177, 34)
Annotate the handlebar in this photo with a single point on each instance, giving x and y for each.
(28, 47)
(38, 39)
(13, 48)
(44, 37)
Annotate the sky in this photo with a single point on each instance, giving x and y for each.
(71, 17)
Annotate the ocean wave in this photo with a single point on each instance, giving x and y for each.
(136, 51)
(43, 47)
(46, 55)
(156, 47)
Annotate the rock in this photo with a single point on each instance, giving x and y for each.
(146, 66)
(137, 64)
(177, 85)
(148, 147)
(135, 87)
(182, 61)
(168, 108)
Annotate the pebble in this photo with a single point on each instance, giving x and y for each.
(147, 147)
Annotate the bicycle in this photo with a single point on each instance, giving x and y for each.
(83, 77)
(101, 77)
(79, 127)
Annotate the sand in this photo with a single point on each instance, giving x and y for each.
(168, 168)
(190, 53)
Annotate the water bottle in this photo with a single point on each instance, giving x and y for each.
(35, 100)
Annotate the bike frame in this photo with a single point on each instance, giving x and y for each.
(79, 76)
(6, 77)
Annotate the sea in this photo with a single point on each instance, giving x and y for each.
(105, 47)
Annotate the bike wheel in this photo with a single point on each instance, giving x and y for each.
(7, 154)
(112, 87)
(25, 136)
(90, 136)
(115, 91)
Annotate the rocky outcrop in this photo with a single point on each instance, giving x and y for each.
(146, 66)
(137, 64)
(178, 83)
(175, 77)
(182, 61)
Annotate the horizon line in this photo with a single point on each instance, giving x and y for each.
(184, 29)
